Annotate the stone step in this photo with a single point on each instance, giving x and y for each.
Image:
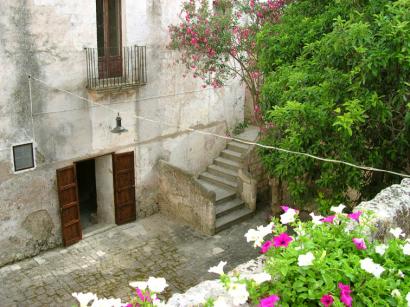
(231, 218)
(223, 172)
(231, 155)
(237, 146)
(233, 165)
(222, 195)
(219, 181)
(228, 206)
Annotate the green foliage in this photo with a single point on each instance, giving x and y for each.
(337, 85)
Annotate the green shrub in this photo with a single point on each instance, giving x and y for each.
(337, 85)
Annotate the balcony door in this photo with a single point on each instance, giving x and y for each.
(109, 38)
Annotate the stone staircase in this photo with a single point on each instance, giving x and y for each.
(222, 178)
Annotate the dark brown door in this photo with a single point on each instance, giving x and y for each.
(124, 187)
(109, 38)
(69, 205)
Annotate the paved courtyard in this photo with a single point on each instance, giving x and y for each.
(105, 262)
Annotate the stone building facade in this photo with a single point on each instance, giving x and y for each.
(59, 43)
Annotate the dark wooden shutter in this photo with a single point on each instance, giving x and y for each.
(69, 205)
(124, 187)
(109, 38)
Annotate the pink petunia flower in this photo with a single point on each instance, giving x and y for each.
(359, 242)
(269, 301)
(266, 246)
(345, 297)
(141, 296)
(282, 240)
(285, 208)
(344, 288)
(327, 300)
(355, 215)
(329, 219)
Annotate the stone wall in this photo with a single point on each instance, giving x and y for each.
(183, 198)
(254, 169)
(391, 208)
(46, 38)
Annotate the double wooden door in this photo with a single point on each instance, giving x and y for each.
(124, 196)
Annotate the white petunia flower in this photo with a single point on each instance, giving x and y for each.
(257, 235)
(406, 249)
(316, 219)
(265, 230)
(395, 293)
(338, 209)
(369, 266)
(84, 298)
(220, 302)
(381, 249)
(408, 299)
(299, 230)
(142, 285)
(157, 284)
(288, 216)
(400, 274)
(306, 259)
(219, 269)
(261, 277)
(397, 232)
(253, 236)
(238, 293)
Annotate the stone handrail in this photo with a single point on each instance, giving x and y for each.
(185, 199)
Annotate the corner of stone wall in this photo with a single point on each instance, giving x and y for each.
(184, 199)
(391, 208)
(253, 173)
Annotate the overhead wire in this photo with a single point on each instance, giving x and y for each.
(229, 138)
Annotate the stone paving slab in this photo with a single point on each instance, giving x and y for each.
(104, 263)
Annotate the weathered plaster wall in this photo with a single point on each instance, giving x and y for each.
(105, 189)
(46, 39)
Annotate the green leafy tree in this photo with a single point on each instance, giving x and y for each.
(337, 85)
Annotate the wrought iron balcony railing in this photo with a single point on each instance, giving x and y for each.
(114, 67)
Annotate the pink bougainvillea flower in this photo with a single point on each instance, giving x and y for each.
(282, 240)
(329, 219)
(327, 300)
(359, 242)
(266, 246)
(355, 215)
(269, 301)
(284, 208)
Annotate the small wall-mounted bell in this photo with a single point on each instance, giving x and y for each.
(119, 128)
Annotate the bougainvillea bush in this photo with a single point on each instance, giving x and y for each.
(328, 261)
(217, 39)
(337, 84)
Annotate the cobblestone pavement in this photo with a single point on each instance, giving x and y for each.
(105, 262)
